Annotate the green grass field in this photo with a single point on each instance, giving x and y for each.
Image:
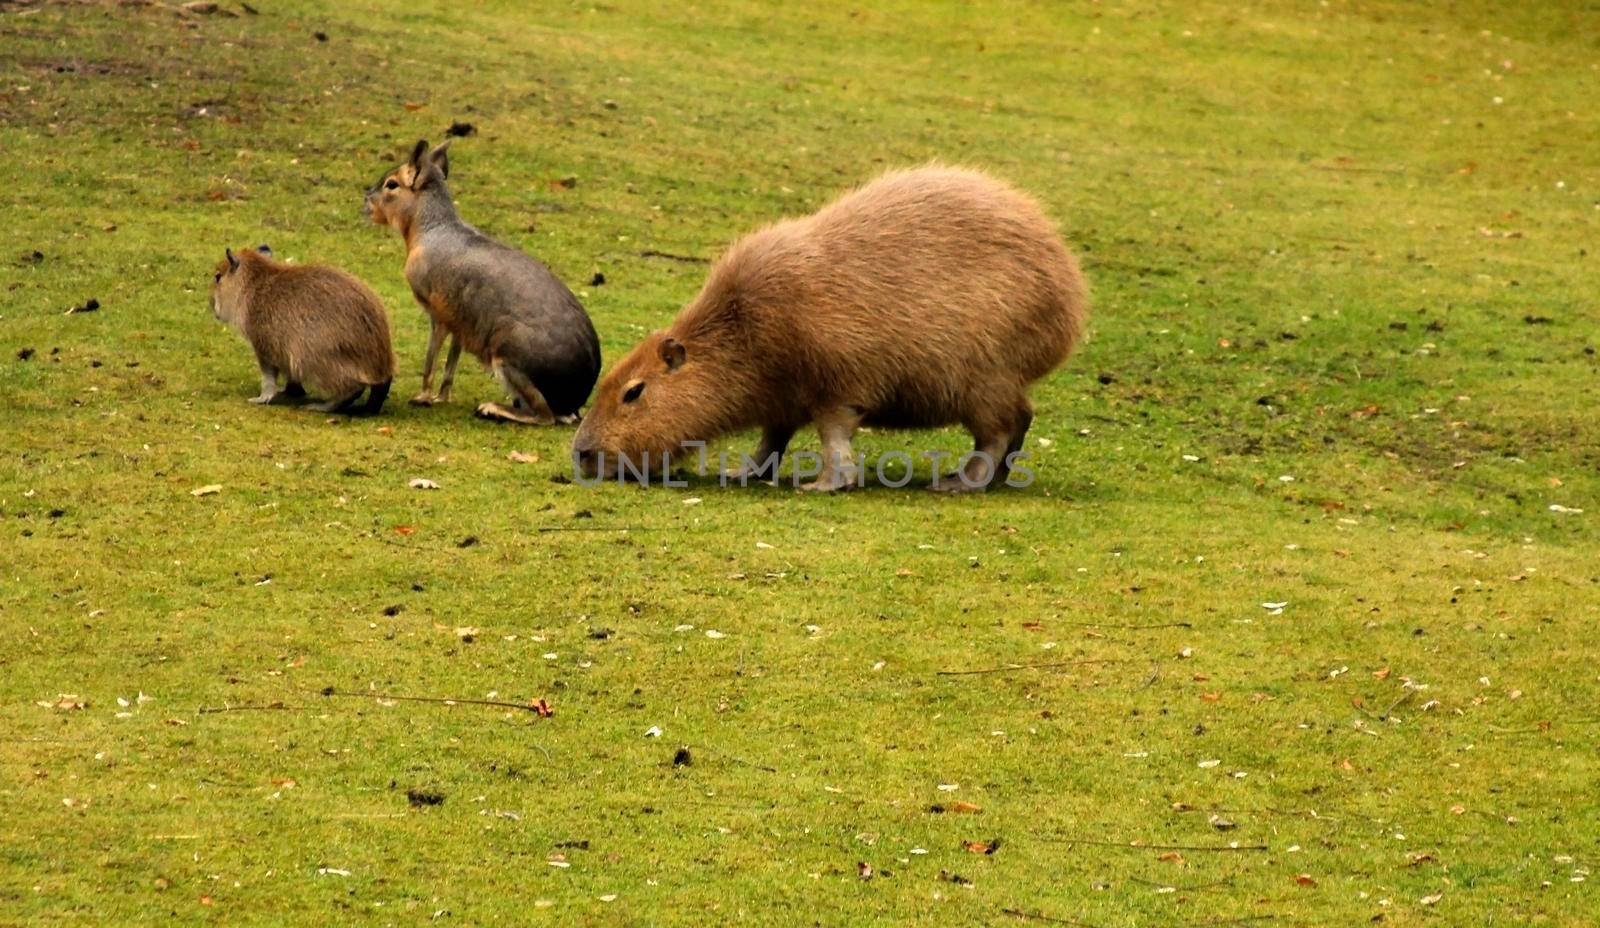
(1345, 262)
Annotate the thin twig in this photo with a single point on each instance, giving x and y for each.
(1040, 916)
(590, 528)
(1187, 889)
(1010, 667)
(1396, 704)
(441, 700)
(1129, 845)
(687, 259)
(206, 710)
(1114, 625)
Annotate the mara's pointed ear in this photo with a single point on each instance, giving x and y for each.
(264, 249)
(673, 353)
(440, 158)
(419, 164)
(233, 263)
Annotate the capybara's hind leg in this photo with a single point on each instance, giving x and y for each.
(294, 390)
(341, 400)
(993, 431)
(530, 409)
(769, 455)
(375, 397)
(836, 427)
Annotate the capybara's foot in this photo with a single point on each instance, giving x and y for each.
(426, 399)
(507, 414)
(841, 478)
(952, 483)
(570, 419)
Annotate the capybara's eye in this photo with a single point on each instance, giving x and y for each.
(391, 184)
(633, 392)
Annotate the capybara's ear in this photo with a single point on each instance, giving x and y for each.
(264, 249)
(233, 263)
(440, 158)
(673, 353)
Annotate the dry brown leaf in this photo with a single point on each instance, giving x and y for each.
(1304, 879)
(520, 457)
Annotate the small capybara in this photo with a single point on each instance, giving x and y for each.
(930, 296)
(309, 323)
(500, 304)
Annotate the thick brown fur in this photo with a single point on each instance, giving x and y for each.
(927, 297)
(308, 323)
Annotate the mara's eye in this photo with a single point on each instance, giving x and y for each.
(633, 392)
(391, 184)
(216, 277)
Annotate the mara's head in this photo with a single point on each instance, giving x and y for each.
(392, 201)
(661, 395)
(230, 281)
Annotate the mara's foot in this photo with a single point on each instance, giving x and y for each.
(426, 399)
(501, 413)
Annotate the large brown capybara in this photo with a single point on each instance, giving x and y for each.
(929, 296)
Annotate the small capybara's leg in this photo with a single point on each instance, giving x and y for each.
(450, 361)
(531, 406)
(341, 399)
(269, 383)
(435, 339)
(836, 427)
(769, 455)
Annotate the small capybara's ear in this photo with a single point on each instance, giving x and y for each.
(264, 249)
(233, 263)
(673, 353)
(440, 158)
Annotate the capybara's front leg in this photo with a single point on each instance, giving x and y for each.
(269, 383)
(435, 340)
(769, 455)
(836, 427)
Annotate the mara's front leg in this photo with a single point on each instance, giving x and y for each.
(449, 379)
(435, 339)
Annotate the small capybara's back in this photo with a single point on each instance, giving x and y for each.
(919, 290)
(312, 323)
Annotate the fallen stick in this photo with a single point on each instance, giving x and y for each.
(540, 708)
(1100, 842)
(1046, 666)
(1040, 916)
(1114, 625)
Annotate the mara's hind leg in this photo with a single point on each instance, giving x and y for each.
(836, 427)
(529, 406)
(769, 455)
(997, 430)
(341, 400)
